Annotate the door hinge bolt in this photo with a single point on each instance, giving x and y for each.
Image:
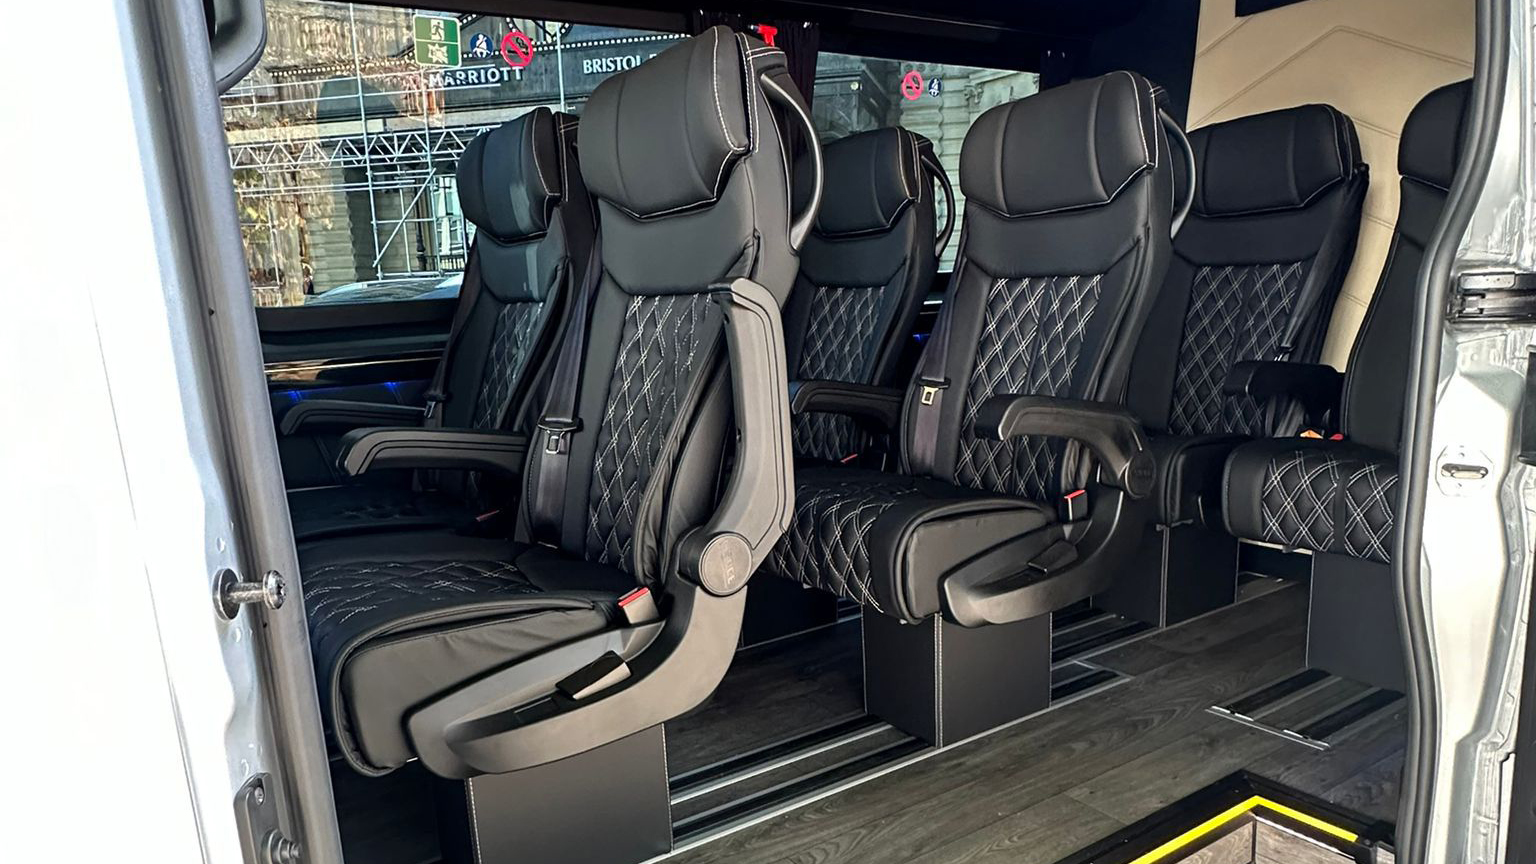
(231, 592)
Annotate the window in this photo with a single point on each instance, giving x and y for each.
(345, 138)
(936, 100)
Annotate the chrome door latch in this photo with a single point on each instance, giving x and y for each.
(230, 592)
(1460, 470)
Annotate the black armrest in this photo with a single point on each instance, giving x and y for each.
(365, 450)
(759, 499)
(1113, 435)
(340, 415)
(1315, 386)
(880, 407)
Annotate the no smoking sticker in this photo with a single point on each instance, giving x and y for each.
(516, 49)
(912, 85)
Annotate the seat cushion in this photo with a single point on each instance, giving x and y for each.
(1326, 496)
(1188, 479)
(887, 541)
(398, 619)
(357, 509)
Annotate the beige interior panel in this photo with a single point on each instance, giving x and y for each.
(1371, 59)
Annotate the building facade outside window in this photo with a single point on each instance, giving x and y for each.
(936, 100)
(343, 141)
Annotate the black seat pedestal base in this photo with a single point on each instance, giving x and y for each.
(604, 806)
(1179, 572)
(1352, 627)
(943, 683)
(777, 608)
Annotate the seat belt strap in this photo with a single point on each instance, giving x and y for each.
(1311, 297)
(932, 381)
(546, 513)
(469, 295)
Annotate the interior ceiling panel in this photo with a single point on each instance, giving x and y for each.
(1065, 17)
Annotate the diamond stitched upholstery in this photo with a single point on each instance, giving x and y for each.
(1258, 299)
(841, 335)
(1030, 341)
(827, 544)
(511, 343)
(1298, 499)
(1370, 508)
(341, 510)
(395, 619)
(1328, 498)
(829, 437)
(656, 356)
(345, 599)
(335, 593)
(839, 342)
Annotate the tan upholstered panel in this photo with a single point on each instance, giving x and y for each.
(1372, 59)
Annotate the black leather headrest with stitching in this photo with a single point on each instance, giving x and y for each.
(1027, 157)
(1430, 149)
(1280, 160)
(871, 179)
(509, 177)
(662, 137)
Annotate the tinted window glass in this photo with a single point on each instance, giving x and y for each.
(345, 138)
(936, 100)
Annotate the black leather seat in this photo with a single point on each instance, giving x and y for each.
(1255, 273)
(1256, 270)
(1339, 497)
(521, 186)
(864, 273)
(1067, 231)
(1065, 234)
(413, 634)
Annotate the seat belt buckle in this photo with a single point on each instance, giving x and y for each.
(557, 434)
(639, 607)
(1074, 506)
(434, 399)
(928, 389)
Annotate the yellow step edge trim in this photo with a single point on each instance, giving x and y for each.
(1221, 819)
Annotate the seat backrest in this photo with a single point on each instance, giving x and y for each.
(864, 272)
(1256, 268)
(521, 186)
(1069, 202)
(1428, 156)
(687, 162)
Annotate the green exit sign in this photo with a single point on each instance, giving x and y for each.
(437, 41)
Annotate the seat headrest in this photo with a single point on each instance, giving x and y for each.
(509, 177)
(663, 136)
(1280, 160)
(1430, 149)
(1065, 148)
(871, 179)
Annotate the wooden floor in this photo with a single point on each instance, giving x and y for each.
(1259, 842)
(771, 693)
(1040, 790)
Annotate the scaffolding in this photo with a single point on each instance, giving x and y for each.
(309, 141)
